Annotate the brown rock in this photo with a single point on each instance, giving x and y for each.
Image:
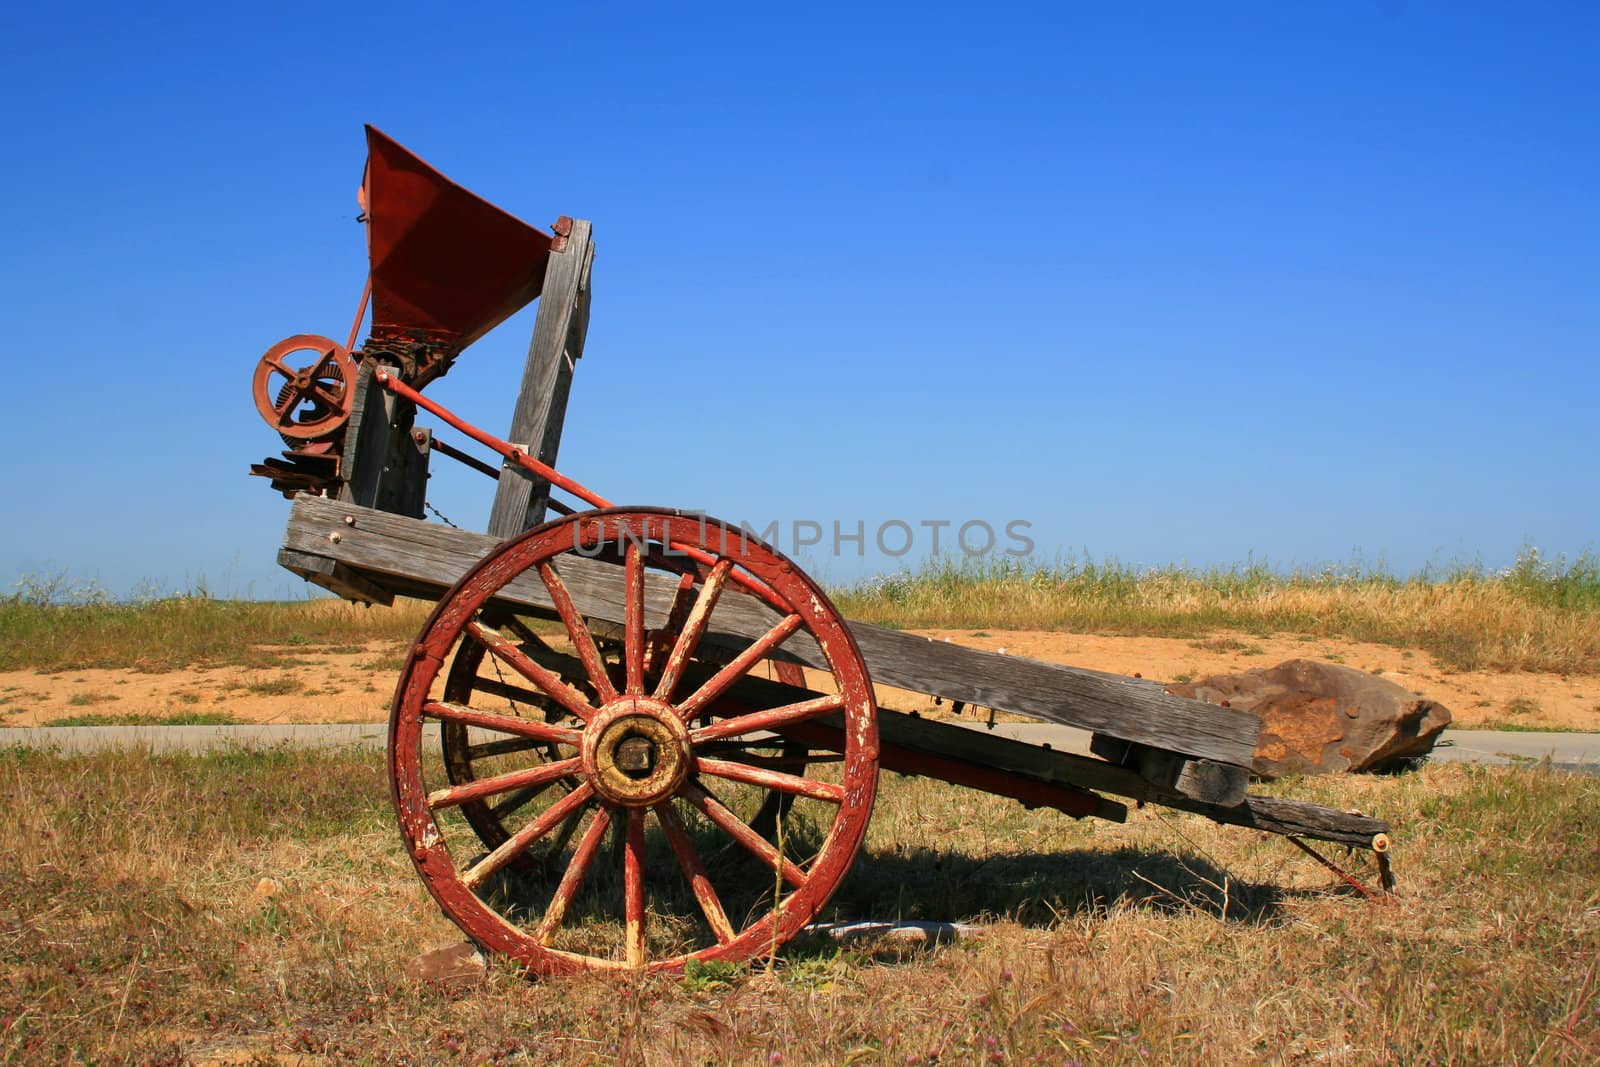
(1320, 718)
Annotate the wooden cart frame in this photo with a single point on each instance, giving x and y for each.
(698, 664)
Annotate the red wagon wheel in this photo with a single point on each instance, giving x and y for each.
(648, 758)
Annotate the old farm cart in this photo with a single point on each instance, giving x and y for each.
(657, 740)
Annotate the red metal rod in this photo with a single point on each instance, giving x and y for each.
(361, 313)
(489, 440)
(1349, 879)
(555, 478)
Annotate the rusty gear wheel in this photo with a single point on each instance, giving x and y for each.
(308, 402)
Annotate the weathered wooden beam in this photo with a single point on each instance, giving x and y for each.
(1040, 763)
(385, 464)
(1019, 763)
(424, 559)
(335, 577)
(1214, 783)
(559, 330)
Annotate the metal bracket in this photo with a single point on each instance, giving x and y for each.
(562, 229)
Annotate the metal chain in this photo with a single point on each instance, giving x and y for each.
(440, 514)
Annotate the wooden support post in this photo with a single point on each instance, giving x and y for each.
(385, 462)
(557, 345)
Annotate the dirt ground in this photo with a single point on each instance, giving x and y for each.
(326, 686)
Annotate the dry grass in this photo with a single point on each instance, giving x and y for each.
(256, 908)
(1538, 616)
(52, 628)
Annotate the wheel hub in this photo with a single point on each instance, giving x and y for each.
(636, 751)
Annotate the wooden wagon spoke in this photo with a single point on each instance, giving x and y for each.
(770, 779)
(683, 598)
(518, 842)
(633, 887)
(516, 626)
(505, 724)
(694, 627)
(572, 879)
(582, 640)
(531, 777)
(509, 746)
(633, 619)
(740, 831)
(659, 641)
(695, 872)
(515, 802)
(738, 667)
(548, 681)
(771, 719)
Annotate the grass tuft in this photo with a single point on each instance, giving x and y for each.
(177, 718)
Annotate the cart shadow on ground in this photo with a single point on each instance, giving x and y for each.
(1043, 889)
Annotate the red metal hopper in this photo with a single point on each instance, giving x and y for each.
(447, 266)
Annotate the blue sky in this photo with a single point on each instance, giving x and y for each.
(1170, 283)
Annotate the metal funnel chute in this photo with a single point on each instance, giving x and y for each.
(447, 265)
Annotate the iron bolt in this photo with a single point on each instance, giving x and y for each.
(349, 520)
(335, 537)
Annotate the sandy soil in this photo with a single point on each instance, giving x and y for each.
(356, 687)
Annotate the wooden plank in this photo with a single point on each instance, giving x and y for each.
(334, 577)
(424, 559)
(909, 732)
(366, 440)
(1293, 818)
(1050, 766)
(559, 330)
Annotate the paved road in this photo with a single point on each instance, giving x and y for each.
(1565, 751)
